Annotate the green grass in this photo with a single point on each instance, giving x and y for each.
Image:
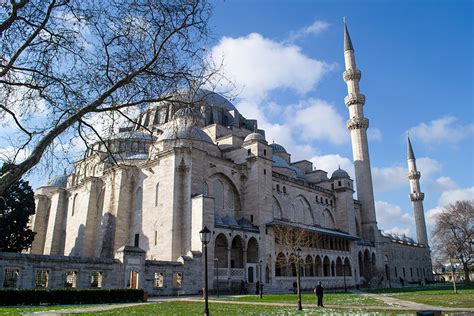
(329, 299)
(443, 296)
(196, 308)
(22, 310)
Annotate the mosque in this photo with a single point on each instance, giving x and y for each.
(130, 213)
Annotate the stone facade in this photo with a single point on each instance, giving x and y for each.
(133, 207)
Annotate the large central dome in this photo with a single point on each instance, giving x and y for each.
(214, 108)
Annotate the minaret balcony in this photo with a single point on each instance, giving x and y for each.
(354, 98)
(357, 123)
(351, 74)
(417, 196)
(414, 175)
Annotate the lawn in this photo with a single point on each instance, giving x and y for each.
(329, 299)
(436, 295)
(196, 308)
(22, 310)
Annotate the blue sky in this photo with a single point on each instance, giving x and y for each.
(285, 62)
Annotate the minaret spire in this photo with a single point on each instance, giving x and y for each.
(411, 155)
(347, 38)
(416, 197)
(357, 125)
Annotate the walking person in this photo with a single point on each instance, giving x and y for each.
(257, 288)
(319, 291)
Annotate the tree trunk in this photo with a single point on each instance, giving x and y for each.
(465, 267)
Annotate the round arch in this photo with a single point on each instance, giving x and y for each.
(339, 267)
(308, 266)
(347, 267)
(326, 266)
(280, 265)
(236, 253)
(327, 219)
(220, 250)
(252, 250)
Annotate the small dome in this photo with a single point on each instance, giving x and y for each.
(57, 181)
(279, 162)
(340, 173)
(254, 136)
(184, 132)
(278, 148)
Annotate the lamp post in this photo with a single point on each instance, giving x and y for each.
(205, 235)
(217, 274)
(298, 272)
(260, 280)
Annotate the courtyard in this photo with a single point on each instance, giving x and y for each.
(404, 301)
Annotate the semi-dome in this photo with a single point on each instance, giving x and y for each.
(183, 132)
(57, 181)
(340, 173)
(255, 136)
(277, 148)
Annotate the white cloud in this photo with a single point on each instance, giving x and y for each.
(315, 28)
(331, 163)
(446, 129)
(395, 177)
(374, 134)
(391, 218)
(12, 154)
(389, 178)
(318, 119)
(446, 198)
(257, 65)
(452, 196)
(428, 166)
(442, 184)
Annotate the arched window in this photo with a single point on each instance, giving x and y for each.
(156, 193)
(218, 189)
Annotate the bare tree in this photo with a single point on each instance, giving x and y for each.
(63, 62)
(453, 236)
(293, 239)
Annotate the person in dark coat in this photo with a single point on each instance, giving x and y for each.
(319, 291)
(257, 288)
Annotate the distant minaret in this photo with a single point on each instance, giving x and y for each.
(357, 125)
(416, 197)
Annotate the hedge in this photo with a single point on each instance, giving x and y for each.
(12, 297)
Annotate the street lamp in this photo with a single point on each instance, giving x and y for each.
(298, 272)
(260, 280)
(205, 235)
(217, 274)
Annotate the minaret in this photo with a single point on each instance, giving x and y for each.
(416, 197)
(357, 125)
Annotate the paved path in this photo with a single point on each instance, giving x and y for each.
(395, 304)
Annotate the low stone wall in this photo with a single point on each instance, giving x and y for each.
(26, 271)
(50, 271)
